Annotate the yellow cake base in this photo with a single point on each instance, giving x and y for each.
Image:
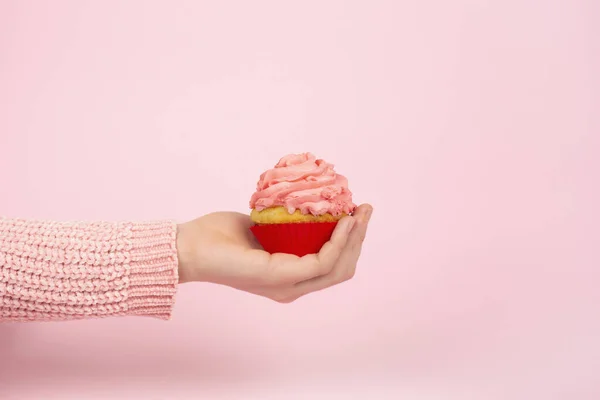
(279, 215)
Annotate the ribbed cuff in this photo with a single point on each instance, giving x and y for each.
(153, 269)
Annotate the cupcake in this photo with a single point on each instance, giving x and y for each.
(297, 205)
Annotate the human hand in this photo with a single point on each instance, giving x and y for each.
(220, 248)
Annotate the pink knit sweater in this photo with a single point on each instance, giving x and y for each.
(60, 271)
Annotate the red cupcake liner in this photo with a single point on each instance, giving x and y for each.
(294, 238)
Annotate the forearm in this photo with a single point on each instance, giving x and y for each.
(61, 271)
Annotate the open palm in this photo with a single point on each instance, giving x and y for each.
(220, 248)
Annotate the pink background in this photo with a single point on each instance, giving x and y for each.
(472, 126)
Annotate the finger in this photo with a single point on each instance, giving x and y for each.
(349, 258)
(346, 263)
(331, 251)
(286, 268)
(343, 270)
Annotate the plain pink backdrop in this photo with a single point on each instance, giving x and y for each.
(471, 125)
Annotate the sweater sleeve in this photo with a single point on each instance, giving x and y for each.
(65, 271)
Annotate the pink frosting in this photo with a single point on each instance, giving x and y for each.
(301, 182)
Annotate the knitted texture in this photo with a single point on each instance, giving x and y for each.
(62, 271)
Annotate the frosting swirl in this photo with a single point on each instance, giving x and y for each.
(303, 182)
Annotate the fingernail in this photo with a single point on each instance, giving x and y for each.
(368, 214)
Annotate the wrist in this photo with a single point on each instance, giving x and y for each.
(183, 255)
